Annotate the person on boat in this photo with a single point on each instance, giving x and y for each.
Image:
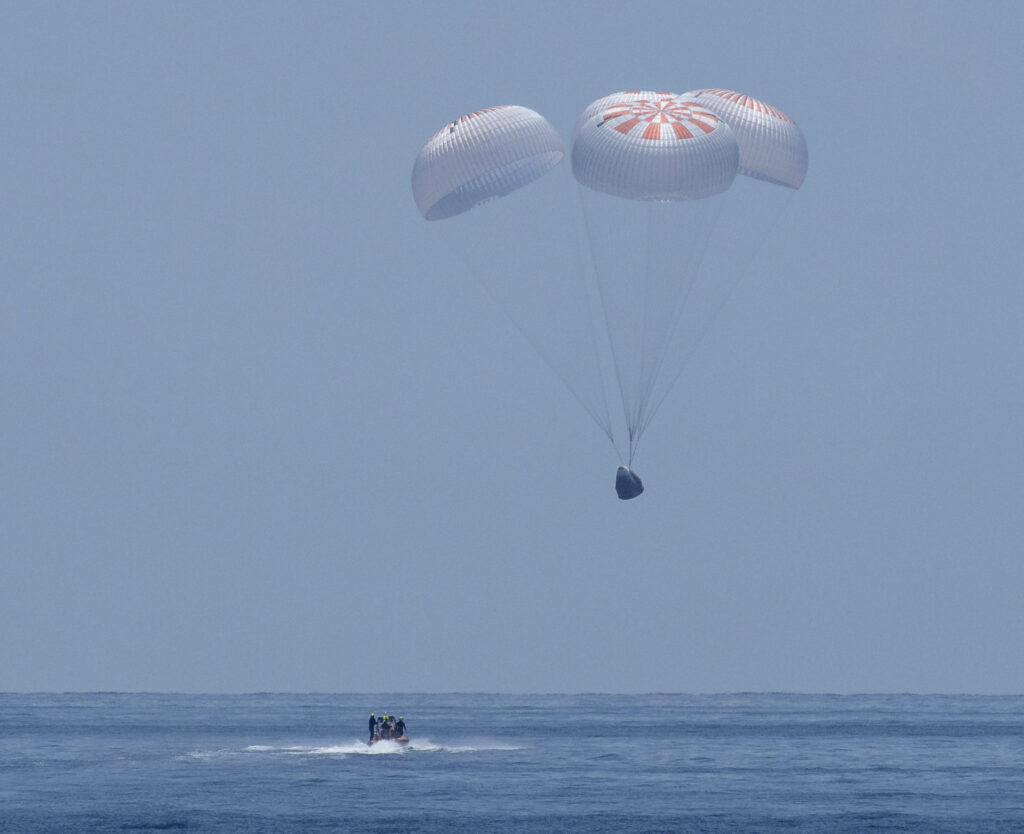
(400, 727)
(373, 727)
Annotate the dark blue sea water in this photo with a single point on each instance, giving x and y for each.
(504, 763)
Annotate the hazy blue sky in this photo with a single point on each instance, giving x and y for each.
(244, 390)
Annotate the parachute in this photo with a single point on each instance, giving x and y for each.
(771, 146)
(482, 156)
(655, 174)
(652, 146)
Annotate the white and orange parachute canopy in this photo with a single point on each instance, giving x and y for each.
(647, 145)
(481, 156)
(772, 147)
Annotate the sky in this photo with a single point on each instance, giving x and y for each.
(260, 431)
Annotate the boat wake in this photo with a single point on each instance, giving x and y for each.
(380, 748)
(350, 748)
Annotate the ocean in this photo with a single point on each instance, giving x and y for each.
(106, 762)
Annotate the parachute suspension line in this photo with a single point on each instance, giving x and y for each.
(605, 424)
(649, 330)
(734, 282)
(647, 325)
(594, 346)
(605, 311)
(469, 268)
(679, 305)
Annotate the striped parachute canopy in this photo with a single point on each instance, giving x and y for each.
(646, 145)
(772, 147)
(481, 156)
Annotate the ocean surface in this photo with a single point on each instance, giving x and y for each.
(512, 763)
